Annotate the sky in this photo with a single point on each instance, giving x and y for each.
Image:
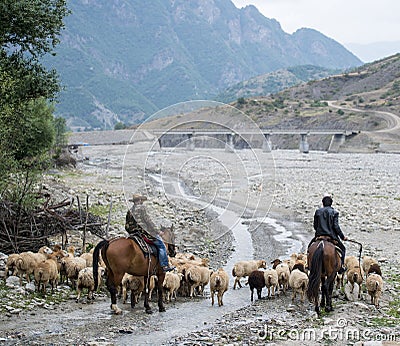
(353, 23)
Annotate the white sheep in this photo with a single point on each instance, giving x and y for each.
(351, 262)
(271, 282)
(73, 265)
(172, 282)
(219, 283)
(86, 280)
(283, 272)
(11, 264)
(245, 268)
(197, 277)
(298, 281)
(374, 284)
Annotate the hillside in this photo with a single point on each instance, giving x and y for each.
(122, 60)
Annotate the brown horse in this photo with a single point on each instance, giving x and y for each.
(123, 255)
(324, 263)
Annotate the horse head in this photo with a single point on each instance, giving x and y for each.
(168, 236)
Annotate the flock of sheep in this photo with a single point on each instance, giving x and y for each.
(51, 266)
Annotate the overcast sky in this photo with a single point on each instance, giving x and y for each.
(346, 21)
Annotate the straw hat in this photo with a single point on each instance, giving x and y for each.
(138, 198)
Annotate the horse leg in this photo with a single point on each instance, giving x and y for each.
(329, 307)
(146, 296)
(112, 288)
(161, 307)
(133, 299)
(323, 293)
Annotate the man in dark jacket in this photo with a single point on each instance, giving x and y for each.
(326, 223)
(137, 220)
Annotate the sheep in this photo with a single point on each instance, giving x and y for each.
(374, 284)
(351, 262)
(355, 275)
(256, 281)
(152, 284)
(197, 277)
(72, 266)
(46, 272)
(367, 261)
(11, 264)
(244, 268)
(283, 272)
(88, 257)
(374, 269)
(171, 283)
(219, 283)
(86, 280)
(27, 261)
(298, 281)
(271, 282)
(133, 283)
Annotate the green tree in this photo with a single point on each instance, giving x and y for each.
(29, 29)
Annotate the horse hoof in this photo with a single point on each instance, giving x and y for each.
(161, 309)
(149, 311)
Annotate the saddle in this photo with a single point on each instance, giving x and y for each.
(146, 245)
(333, 241)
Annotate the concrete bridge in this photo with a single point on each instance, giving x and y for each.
(188, 136)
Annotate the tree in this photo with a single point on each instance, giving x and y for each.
(29, 29)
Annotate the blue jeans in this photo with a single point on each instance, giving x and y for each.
(162, 251)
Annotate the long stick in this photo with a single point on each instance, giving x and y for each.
(359, 256)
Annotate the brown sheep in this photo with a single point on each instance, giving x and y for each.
(271, 282)
(27, 261)
(351, 262)
(219, 283)
(283, 272)
(375, 269)
(367, 261)
(256, 281)
(244, 268)
(136, 286)
(355, 275)
(374, 284)
(46, 272)
(197, 277)
(11, 264)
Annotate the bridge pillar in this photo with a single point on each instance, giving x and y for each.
(267, 144)
(337, 140)
(229, 143)
(303, 147)
(190, 145)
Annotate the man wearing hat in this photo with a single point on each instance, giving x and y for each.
(326, 222)
(137, 220)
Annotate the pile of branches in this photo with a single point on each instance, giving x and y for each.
(21, 230)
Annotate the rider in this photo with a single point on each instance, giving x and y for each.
(137, 220)
(326, 222)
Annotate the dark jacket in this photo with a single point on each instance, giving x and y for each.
(326, 222)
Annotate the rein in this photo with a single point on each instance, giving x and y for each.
(360, 251)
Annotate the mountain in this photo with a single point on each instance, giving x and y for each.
(374, 51)
(273, 82)
(122, 60)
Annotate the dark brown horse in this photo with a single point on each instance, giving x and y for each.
(324, 263)
(123, 255)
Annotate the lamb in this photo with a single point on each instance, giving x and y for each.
(86, 280)
(355, 275)
(219, 283)
(46, 272)
(298, 281)
(271, 282)
(244, 268)
(256, 281)
(172, 282)
(367, 261)
(374, 284)
(197, 277)
(135, 284)
(283, 272)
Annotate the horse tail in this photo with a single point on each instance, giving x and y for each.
(315, 274)
(96, 257)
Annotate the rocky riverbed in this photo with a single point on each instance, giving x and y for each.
(267, 192)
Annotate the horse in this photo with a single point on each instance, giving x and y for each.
(324, 263)
(123, 255)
